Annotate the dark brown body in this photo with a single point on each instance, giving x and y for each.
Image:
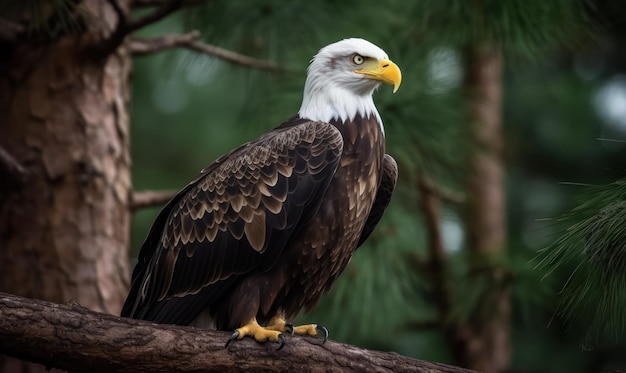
(319, 196)
(318, 255)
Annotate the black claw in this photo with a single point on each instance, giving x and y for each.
(322, 329)
(281, 341)
(289, 327)
(232, 338)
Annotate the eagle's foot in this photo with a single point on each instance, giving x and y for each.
(259, 333)
(309, 329)
(277, 323)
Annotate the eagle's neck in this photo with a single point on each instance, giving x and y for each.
(325, 103)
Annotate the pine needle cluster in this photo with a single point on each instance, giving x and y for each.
(594, 244)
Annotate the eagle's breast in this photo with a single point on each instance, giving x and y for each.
(328, 241)
(355, 184)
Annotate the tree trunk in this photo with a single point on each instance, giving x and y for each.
(486, 338)
(74, 338)
(64, 228)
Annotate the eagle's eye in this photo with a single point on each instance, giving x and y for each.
(358, 59)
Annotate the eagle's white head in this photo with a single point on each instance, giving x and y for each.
(342, 78)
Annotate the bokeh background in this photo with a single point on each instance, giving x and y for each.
(564, 120)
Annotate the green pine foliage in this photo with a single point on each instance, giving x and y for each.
(521, 27)
(594, 244)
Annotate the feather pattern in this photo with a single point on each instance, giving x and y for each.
(238, 208)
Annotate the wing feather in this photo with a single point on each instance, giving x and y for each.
(235, 217)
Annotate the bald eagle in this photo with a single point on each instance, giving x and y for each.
(267, 228)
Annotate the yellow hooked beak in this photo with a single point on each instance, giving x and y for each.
(385, 71)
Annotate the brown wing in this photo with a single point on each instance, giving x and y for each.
(236, 217)
(383, 197)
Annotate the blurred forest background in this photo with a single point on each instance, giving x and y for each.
(564, 118)
(563, 149)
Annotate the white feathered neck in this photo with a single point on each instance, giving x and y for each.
(333, 90)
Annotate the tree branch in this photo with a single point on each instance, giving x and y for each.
(73, 338)
(150, 198)
(126, 26)
(141, 46)
(233, 57)
(161, 12)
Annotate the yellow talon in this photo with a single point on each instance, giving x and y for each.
(259, 333)
(310, 329)
(274, 331)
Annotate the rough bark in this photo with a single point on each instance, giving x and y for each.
(64, 231)
(484, 343)
(73, 338)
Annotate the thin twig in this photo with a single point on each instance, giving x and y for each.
(150, 198)
(143, 46)
(234, 57)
